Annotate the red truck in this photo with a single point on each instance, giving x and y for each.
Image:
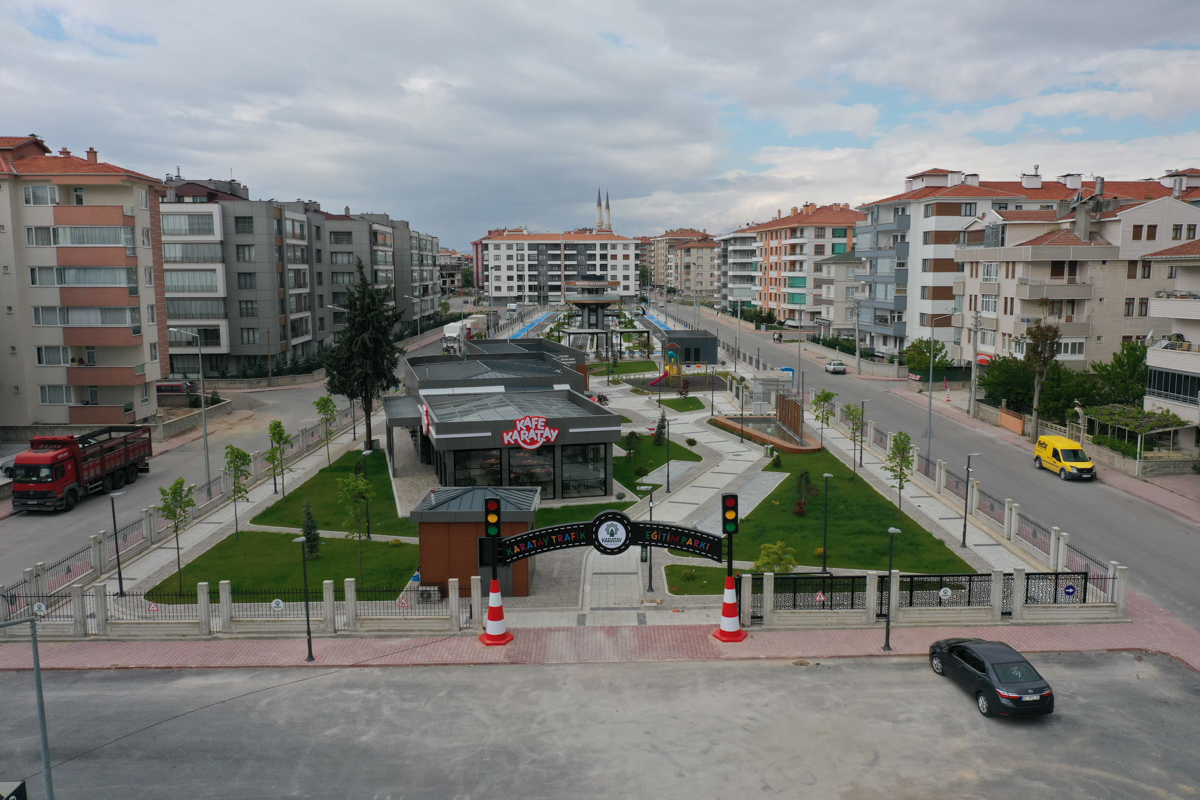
(56, 471)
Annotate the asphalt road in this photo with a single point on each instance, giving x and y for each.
(1161, 549)
(1124, 728)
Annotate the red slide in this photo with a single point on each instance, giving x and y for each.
(660, 377)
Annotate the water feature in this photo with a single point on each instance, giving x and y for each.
(770, 426)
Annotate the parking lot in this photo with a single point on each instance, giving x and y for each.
(1125, 727)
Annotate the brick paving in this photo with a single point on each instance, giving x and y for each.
(1151, 629)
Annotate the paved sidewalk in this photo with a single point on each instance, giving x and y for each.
(1151, 629)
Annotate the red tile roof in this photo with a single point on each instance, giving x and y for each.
(1188, 171)
(554, 237)
(70, 165)
(9, 142)
(1050, 191)
(682, 233)
(1189, 250)
(1032, 215)
(695, 243)
(934, 171)
(1064, 237)
(825, 215)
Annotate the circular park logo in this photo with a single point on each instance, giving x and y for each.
(611, 532)
(612, 535)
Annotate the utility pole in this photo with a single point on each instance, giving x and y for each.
(857, 341)
(974, 364)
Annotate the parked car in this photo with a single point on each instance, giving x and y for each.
(835, 368)
(6, 466)
(1064, 456)
(1001, 679)
(176, 387)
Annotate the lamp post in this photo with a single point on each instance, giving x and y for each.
(203, 404)
(929, 421)
(117, 542)
(967, 498)
(825, 538)
(887, 634)
(649, 549)
(668, 455)
(307, 619)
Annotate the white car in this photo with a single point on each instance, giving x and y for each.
(835, 368)
(6, 466)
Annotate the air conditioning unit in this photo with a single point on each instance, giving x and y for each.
(429, 594)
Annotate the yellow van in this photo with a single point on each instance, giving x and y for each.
(1066, 457)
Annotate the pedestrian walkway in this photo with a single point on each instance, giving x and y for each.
(1151, 629)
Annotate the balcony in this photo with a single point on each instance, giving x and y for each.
(103, 336)
(900, 223)
(101, 415)
(1176, 304)
(106, 376)
(960, 287)
(1054, 289)
(1178, 356)
(1068, 325)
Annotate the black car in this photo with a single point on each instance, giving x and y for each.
(999, 677)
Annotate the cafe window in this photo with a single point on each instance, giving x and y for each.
(477, 468)
(583, 470)
(532, 468)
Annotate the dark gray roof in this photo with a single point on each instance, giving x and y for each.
(501, 347)
(480, 370)
(499, 407)
(465, 504)
(402, 411)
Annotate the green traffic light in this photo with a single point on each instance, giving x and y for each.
(731, 526)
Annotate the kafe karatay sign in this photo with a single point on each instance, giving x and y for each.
(530, 432)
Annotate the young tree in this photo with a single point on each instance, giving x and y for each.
(277, 453)
(857, 423)
(354, 491)
(327, 415)
(777, 558)
(468, 278)
(822, 407)
(917, 356)
(1041, 349)
(312, 537)
(630, 443)
(1123, 380)
(363, 363)
(1008, 378)
(237, 467)
(177, 503)
(660, 430)
(805, 490)
(685, 389)
(899, 464)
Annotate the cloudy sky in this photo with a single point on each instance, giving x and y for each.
(463, 116)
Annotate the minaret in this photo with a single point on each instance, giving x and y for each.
(607, 214)
(599, 211)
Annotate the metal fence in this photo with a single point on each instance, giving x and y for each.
(129, 536)
(926, 467)
(276, 604)
(880, 439)
(819, 592)
(991, 506)
(1032, 533)
(885, 593)
(756, 598)
(956, 485)
(1056, 588)
(159, 606)
(58, 607)
(1076, 560)
(426, 601)
(67, 570)
(954, 591)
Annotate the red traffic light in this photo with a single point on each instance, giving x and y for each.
(493, 505)
(731, 501)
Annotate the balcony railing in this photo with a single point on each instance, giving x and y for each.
(1176, 294)
(1055, 281)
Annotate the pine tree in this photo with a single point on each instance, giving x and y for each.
(312, 539)
(660, 430)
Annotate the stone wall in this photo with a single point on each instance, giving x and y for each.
(167, 428)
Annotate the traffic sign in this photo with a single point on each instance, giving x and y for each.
(1069, 590)
(944, 592)
(820, 598)
(277, 604)
(39, 608)
(153, 606)
(402, 602)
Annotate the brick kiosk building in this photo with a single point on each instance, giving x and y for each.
(451, 525)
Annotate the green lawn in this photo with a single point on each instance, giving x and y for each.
(858, 521)
(682, 404)
(564, 514)
(626, 420)
(705, 580)
(322, 491)
(271, 561)
(626, 368)
(649, 456)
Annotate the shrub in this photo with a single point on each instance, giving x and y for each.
(777, 461)
(641, 471)
(1127, 449)
(690, 442)
(395, 543)
(820, 551)
(620, 495)
(687, 575)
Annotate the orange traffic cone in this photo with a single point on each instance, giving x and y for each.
(496, 633)
(731, 627)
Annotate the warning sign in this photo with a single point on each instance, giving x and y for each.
(820, 597)
(153, 607)
(402, 602)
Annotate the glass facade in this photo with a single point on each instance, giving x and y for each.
(1178, 386)
(532, 468)
(477, 468)
(583, 470)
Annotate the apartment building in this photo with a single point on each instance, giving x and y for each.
(908, 242)
(451, 264)
(421, 284)
(658, 253)
(1174, 359)
(784, 247)
(1081, 264)
(81, 276)
(739, 268)
(694, 267)
(532, 268)
(836, 294)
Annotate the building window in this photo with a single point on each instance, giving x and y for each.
(145, 237)
(192, 253)
(249, 335)
(1145, 269)
(987, 304)
(154, 351)
(247, 280)
(818, 249)
(1177, 231)
(477, 468)
(1170, 270)
(187, 225)
(149, 276)
(248, 308)
(532, 468)
(151, 314)
(55, 395)
(316, 233)
(41, 195)
(929, 209)
(1131, 271)
(839, 233)
(1143, 306)
(245, 252)
(1000, 206)
(583, 470)
(1191, 231)
(53, 356)
(341, 258)
(341, 278)
(1151, 233)
(318, 254)
(144, 198)
(1137, 233)
(243, 225)
(1129, 301)
(190, 280)
(341, 237)
(967, 210)
(196, 309)
(1178, 386)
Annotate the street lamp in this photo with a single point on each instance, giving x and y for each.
(929, 422)
(307, 619)
(887, 635)
(825, 539)
(649, 549)
(668, 455)
(967, 498)
(203, 412)
(117, 542)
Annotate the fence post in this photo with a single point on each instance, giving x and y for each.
(1052, 556)
(256, 466)
(30, 578)
(351, 605)
(1063, 538)
(1121, 589)
(39, 572)
(203, 609)
(1008, 518)
(192, 511)
(870, 432)
(894, 594)
(940, 476)
(225, 487)
(747, 603)
(100, 603)
(147, 528)
(1019, 590)
(455, 604)
(872, 602)
(915, 452)
(99, 553)
(78, 610)
(768, 599)
(1016, 520)
(974, 488)
(225, 597)
(997, 594)
(330, 606)
(477, 602)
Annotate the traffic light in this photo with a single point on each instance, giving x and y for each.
(491, 508)
(729, 511)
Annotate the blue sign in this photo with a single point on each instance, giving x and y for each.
(788, 370)
(1069, 591)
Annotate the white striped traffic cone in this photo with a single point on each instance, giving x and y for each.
(731, 624)
(496, 633)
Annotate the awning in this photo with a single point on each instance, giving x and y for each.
(402, 411)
